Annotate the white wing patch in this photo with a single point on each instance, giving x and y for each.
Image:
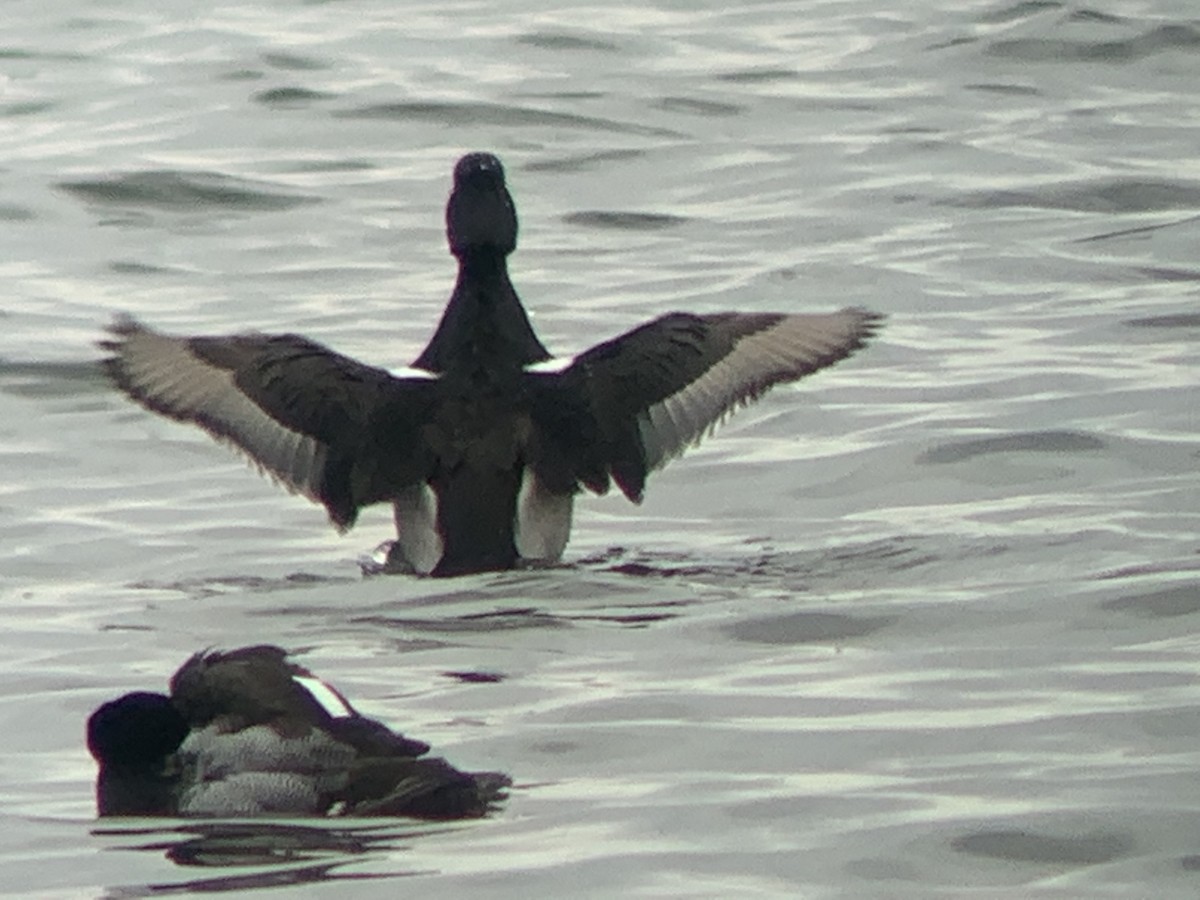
(162, 371)
(410, 372)
(551, 366)
(788, 350)
(543, 520)
(331, 701)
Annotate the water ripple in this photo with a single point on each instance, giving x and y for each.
(459, 114)
(1105, 195)
(290, 96)
(1032, 847)
(1027, 442)
(624, 220)
(1061, 50)
(183, 191)
(581, 162)
(808, 628)
(1166, 603)
(1172, 320)
(556, 40)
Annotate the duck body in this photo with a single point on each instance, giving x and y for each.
(248, 733)
(482, 444)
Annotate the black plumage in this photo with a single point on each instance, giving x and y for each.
(483, 443)
(249, 733)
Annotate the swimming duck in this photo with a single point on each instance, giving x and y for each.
(482, 443)
(247, 732)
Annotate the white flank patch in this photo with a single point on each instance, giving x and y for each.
(551, 366)
(543, 520)
(416, 509)
(331, 701)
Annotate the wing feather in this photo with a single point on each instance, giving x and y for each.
(306, 416)
(756, 360)
(657, 390)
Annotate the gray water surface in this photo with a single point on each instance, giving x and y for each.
(927, 624)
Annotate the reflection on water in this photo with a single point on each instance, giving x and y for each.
(280, 854)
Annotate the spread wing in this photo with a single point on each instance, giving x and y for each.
(341, 433)
(654, 391)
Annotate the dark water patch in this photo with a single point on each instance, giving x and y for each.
(51, 379)
(1166, 603)
(131, 267)
(555, 748)
(557, 40)
(1018, 11)
(645, 570)
(639, 616)
(29, 108)
(293, 62)
(1013, 90)
(758, 76)
(334, 165)
(953, 42)
(632, 620)
(1169, 273)
(200, 588)
(1176, 320)
(290, 96)
(1028, 442)
(792, 571)
(583, 161)
(180, 191)
(1157, 567)
(623, 221)
(1094, 15)
(649, 564)
(236, 844)
(895, 555)
(1119, 195)
(894, 552)
(268, 854)
(476, 677)
(808, 628)
(292, 876)
(474, 623)
(463, 114)
(13, 213)
(568, 96)
(1019, 845)
(244, 75)
(1137, 231)
(693, 106)
(1061, 50)
(18, 53)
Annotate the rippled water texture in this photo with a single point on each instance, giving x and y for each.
(923, 626)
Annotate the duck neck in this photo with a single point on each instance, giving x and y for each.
(484, 322)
